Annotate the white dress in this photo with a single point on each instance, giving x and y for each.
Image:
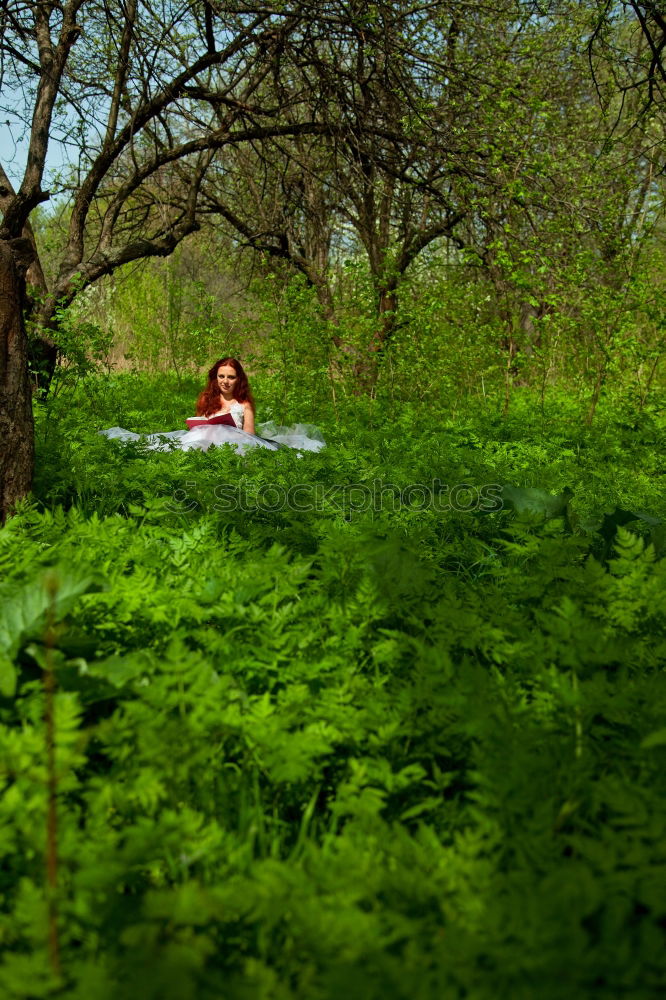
(302, 437)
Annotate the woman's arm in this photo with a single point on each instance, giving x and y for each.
(248, 418)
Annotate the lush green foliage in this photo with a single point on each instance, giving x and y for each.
(369, 749)
(343, 724)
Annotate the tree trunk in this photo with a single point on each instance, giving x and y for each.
(42, 353)
(388, 303)
(16, 423)
(367, 367)
(42, 348)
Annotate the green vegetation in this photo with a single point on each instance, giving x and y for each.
(377, 749)
(385, 722)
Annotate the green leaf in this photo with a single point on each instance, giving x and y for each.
(23, 616)
(655, 739)
(7, 675)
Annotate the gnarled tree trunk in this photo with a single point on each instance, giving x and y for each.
(16, 423)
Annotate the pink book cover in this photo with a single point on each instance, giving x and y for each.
(221, 418)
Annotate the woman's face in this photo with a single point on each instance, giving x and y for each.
(226, 380)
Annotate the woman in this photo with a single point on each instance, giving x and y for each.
(227, 393)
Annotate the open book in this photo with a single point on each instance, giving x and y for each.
(220, 418)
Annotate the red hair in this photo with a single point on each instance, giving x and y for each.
(210, 400)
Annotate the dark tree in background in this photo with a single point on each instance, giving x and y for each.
(15, 389)
(378, 174)
(467, 127)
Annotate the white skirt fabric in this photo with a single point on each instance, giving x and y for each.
(301, 437)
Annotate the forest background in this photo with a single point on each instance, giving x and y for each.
(405, 739)
(483, 211)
